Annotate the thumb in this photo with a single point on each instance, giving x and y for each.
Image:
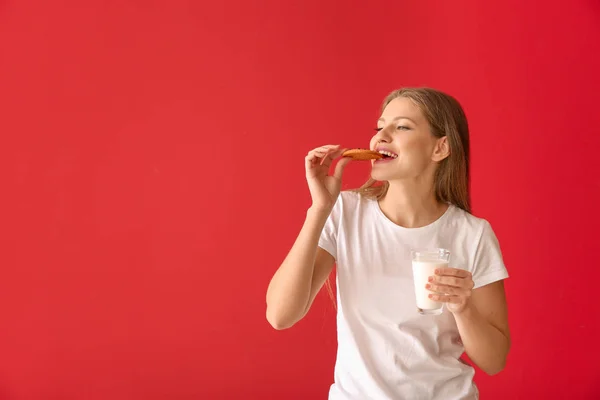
(339, 168)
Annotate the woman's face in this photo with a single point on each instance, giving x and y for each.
(404, 136)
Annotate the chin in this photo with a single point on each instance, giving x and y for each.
(388, 174)
(379, 176)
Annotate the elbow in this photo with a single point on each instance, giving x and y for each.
(500, 363)
(279, 327)
(277, 321)
(495, 370)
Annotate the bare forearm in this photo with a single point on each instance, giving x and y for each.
(289, 290)
(485, 344)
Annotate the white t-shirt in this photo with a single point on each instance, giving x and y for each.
(386, 349)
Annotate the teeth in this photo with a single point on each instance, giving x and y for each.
(387, 153)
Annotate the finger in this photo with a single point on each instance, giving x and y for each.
(330, 146)
(311, 159)
(313, 155)
(326, 156)
(451, 281)
(339, 168)
(320, 153)
(446, 299)
(461, 273)
(335, 153)
(448, 290)
(330, 154)
(325, 149)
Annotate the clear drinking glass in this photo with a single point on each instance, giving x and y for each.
(424, 263)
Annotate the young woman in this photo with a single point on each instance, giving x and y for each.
(418, 197)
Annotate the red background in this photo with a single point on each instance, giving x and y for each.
(147, 146)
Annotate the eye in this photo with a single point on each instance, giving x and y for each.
(403, 128)
(378, 129)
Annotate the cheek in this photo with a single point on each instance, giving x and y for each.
(372, 142)
(416, 151)
(409, 146)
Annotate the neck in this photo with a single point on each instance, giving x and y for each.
(411, 204)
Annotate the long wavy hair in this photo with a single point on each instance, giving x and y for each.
(446, 117)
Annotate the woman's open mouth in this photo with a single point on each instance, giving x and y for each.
(387, 156)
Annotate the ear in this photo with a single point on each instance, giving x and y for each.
(441, 149)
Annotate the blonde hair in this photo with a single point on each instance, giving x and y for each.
(446, 117)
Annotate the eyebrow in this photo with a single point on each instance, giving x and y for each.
(397, 118)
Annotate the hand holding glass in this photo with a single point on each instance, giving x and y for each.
(424, 264)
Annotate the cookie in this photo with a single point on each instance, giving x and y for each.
(362, 154)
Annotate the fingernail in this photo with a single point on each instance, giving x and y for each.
(430, 279)
(428, 286)
(437, 271)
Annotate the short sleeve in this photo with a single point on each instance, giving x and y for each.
(329, 234)
(488, 262)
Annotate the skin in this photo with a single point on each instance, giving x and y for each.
(480, 314)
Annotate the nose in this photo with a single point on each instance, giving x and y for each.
(378, 139)
(383, 136)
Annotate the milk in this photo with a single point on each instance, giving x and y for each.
(422, 270)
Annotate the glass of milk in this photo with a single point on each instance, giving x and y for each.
(424, 263)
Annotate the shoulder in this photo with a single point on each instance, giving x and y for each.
(353, 201)
(465, 221)
(350, 197)
(481, 240)
(350, 204)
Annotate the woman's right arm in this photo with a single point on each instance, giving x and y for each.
(306, 267)
(301, 275)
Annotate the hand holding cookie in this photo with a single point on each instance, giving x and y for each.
(324, 188)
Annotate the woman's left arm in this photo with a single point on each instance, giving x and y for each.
(483, 328)
(481, 316)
